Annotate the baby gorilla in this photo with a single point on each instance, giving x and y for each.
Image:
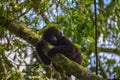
(61, 45)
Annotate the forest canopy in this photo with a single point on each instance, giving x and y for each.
(22, 23)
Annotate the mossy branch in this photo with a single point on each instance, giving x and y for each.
(73, 68)
(20, 30)
(69, 66)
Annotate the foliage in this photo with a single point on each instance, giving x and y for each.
(75, 19)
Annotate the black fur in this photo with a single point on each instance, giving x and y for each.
(61, 45)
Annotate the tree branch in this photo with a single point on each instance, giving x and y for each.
(69, 66)
(73, 68)
(110, 50)
(20, 30)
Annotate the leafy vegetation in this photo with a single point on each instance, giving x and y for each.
(75, 19)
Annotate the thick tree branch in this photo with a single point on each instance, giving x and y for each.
(73, 68)
(20, 30)
(61, 61)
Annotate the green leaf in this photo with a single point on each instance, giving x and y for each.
(91, 39)
(77, 45)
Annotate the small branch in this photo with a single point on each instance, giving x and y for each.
(103, 70)
(110, 50)
(96, 35)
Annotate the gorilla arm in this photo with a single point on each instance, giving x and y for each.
(42, 56)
